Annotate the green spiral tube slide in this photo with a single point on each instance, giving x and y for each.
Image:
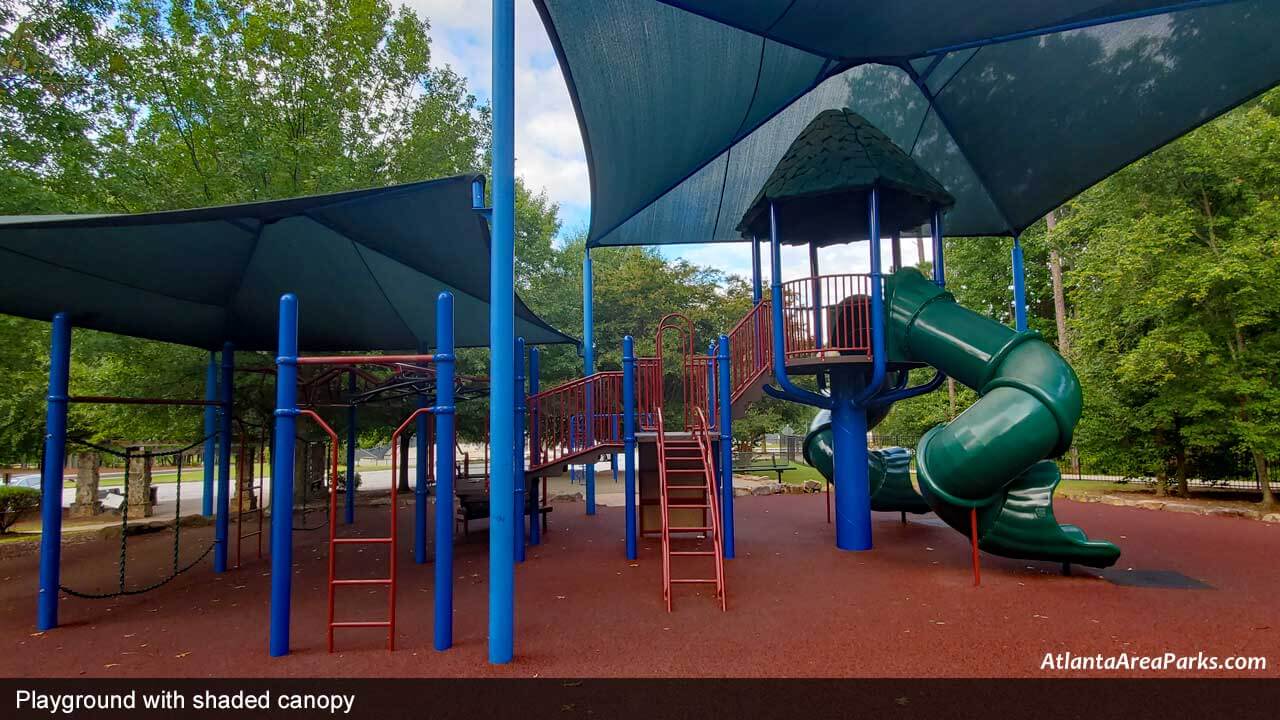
(889, 469)
(992, 457)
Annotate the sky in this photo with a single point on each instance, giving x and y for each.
(549, 150)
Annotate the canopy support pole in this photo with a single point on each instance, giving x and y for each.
(222, 518)
(350, 508)
(1019, 288)
(286, 420)
(725, 396)
(502, 337)
(757, 287)
(535, 521)
(210, 430)
(55, 453)
(444, 415)
(629, 441)
(520, 494)
(588, 369)
(420, 480)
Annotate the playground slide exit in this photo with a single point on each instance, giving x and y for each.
(992, 457)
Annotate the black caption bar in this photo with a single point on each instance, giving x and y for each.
(648, 699)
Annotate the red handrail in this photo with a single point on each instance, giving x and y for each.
(750, 348)
(560, 421)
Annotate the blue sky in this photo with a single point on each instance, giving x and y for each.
(549, 152)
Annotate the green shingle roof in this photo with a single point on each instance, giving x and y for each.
(824, 177)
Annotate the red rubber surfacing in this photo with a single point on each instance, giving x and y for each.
(797, 606)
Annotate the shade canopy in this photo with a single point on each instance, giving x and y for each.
(820, 185)
(1015, 107)
(366, 266)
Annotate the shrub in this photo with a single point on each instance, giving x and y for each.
(14, 503)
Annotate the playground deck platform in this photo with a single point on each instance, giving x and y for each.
(797, 606)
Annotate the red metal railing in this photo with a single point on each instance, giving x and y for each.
(700, 379)
(649, 390)
(751, 348)
(574, 418)
(828, 313)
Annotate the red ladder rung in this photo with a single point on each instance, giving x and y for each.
(361, 624)
(362, 541)
(374, 581)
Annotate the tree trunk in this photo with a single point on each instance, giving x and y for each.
(951, 397)
(403, 470)
(1059, 295)
(1162, 481)
(1264, 479)
(1180, 472)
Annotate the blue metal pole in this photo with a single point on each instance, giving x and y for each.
(939, 267)
(629, 440)
(502, 336)
(817, 297)
(588, 369)
(711, 384)
(210, 434)
(420, 479)
(55, 454)
(518, 459)
(222, 519)
(282, 474)
(726, 447)
(849, 441)
(757, 286)
(1019, 288)
(351, 453)
(444, 412)
(535, 521)
(879, 361)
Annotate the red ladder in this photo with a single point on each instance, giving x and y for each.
(334, 542)
(686, 478)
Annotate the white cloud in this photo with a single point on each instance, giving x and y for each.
(549, 150)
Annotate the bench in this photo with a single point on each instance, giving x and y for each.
(474, 505)
(757, 465)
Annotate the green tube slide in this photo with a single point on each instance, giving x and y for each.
(992, 457)
(889, 469)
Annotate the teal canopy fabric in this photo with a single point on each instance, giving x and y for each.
(1014, 106)
(366, 267)
(820, 185)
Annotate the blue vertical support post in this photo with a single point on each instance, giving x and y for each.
(588, 369)
(535, 521)
(817, 296)
(286, 420)
(55, 454)
(1019, 288)
(502, 335)
(849, 443)
(757, 286)
(629, 441)
(350, 508)
(210, 433)
(711, 384)
(939, 264)
(420, 478)
(518, 453)
(444, 413)
(222, 518)
(726, 447)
